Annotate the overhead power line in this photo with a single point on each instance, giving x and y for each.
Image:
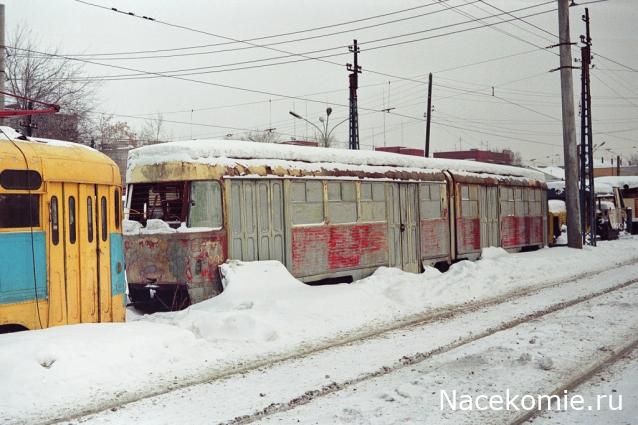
(296, 40)
(248, 39)
(186, 71)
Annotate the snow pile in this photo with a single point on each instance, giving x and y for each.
(618, 181)
(263, 313)
(228, 152)
(131, 227)
(601, 187)
(556, 206)
(156, 226)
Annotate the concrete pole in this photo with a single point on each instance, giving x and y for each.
(2, 56)
(574, 239)
(428, 117)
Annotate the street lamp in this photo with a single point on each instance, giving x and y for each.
(325, 134)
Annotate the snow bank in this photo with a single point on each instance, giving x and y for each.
(228, 152)
(263, 313)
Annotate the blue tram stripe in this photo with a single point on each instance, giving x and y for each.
(118, 281)
(16, 267)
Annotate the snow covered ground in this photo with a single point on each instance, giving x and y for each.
(348, 368)
(263, 314)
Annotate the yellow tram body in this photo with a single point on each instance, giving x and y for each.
(65, 264)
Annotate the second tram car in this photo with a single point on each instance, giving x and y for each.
(324, 213)
(61, 258)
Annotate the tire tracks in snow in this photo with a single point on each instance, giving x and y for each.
(407, 361)
(415, 320)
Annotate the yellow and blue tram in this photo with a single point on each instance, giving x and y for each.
(61, 258)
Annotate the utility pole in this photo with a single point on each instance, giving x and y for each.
(429, 113)
(574, 239)
(354, 85)
(2, 56)
(587, 204)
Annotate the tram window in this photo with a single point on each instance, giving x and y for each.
(72, 235)
(19, 211)
(372, 202)
(55, 224)
(306, 202)
(89, 217)
(469, 201)
(104, 218)
(342, 202)
(205, 204)
(116, 209)
(520, 202)
(20, 179)
(163, 200)
(507, 201)
(430, 197)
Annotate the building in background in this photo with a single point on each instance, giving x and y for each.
(402, 150)
(504, 157)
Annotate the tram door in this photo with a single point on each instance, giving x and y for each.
(87, 245)
(257, 220)
(104, 216)
(403, 230)
(56, 258)
(488, 210)
(72, 252)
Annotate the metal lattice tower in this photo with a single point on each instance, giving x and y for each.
(354, 85)
(587, 192)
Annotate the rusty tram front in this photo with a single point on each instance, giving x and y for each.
(322, 221)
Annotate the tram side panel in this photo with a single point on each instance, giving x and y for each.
(468, 223)
(336, 228)
(434, 223)
(23, 270)
(521, 223)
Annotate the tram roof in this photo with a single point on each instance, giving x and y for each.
(57, 160)
(230, 153)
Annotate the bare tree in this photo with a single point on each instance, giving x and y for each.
(154, 131)
(50, 78)
(114, 135)
(633, 159)
(263, 137)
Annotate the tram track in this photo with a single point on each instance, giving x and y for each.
(442, 314)
(616, 354)
(411, 360)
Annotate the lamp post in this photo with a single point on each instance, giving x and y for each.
(325, 133)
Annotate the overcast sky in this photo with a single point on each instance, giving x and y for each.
(523, 115)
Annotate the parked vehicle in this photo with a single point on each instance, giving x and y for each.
(326, 214)
(61, 258)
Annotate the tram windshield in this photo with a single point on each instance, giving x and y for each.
(195, 203)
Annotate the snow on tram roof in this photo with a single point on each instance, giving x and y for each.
(226, 152)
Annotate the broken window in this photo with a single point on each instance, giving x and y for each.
(167, 201)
